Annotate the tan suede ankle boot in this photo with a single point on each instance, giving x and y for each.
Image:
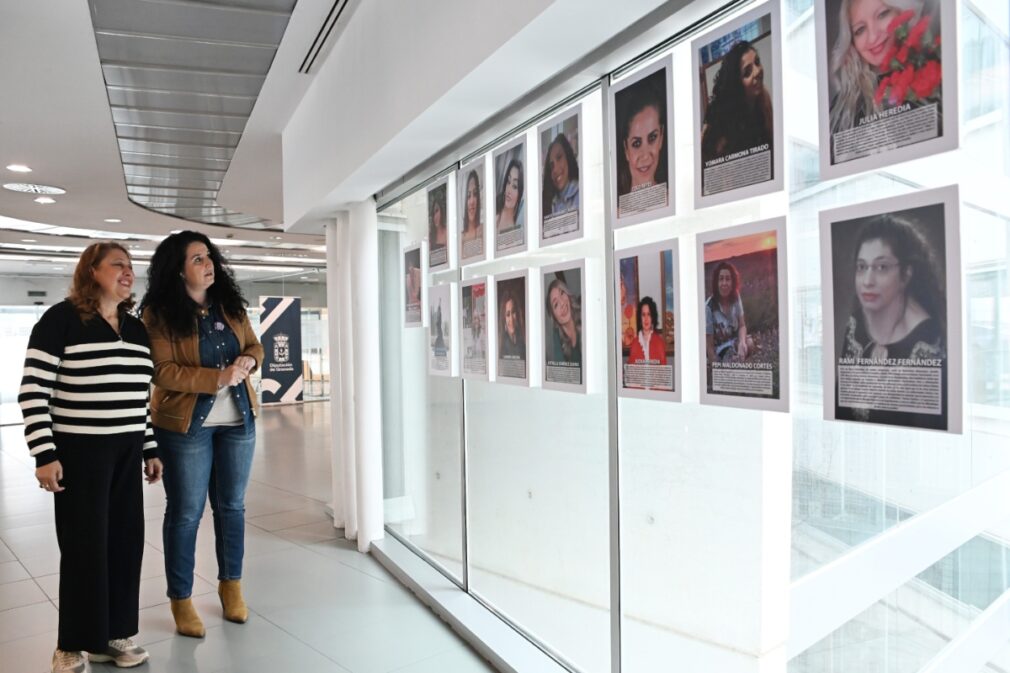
(230, 592)
(187, 622)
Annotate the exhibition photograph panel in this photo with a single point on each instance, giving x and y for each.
(892, 311)
(471, 185)
(441, 349)
(511, 302)
(414, 274)
(510, 234)
(738, 101)
(564, 365)
(473, 307)
(887, 82)
(560, 141)
(438, 226)
(742, 314)
(641, 144)
(648, 304)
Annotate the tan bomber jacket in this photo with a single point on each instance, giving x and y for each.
(179, 378)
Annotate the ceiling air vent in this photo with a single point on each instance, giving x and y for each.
(36, 293)
(325, 30)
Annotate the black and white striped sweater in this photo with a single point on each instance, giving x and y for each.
(83, 379)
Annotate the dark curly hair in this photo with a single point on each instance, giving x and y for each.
(166, 297)
(916, 258)
(729, 119)
(653, 310)
(736, 281)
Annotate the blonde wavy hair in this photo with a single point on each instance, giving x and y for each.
(853, 80)
(85, 292)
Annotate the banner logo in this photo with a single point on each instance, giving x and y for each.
(282, 352)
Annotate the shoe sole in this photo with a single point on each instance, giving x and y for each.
(104, 658)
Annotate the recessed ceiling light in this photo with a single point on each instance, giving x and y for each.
(276, 238)
(29, 240)
(57, 268)
(19, 168)
(113, 220)
(305, 277)
(28, 188)
(45, 200)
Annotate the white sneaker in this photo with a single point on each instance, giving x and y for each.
(70, 662)
(123, 652)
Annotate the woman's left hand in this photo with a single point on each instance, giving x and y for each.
(153, 470)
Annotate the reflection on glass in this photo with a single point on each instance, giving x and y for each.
(902, 632)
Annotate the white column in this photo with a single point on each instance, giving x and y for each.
(336, 326)
(346, 383)
(364, 322)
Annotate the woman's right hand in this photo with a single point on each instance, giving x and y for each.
(231, 376)
(49, 476)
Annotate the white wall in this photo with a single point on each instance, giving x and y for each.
(405, 80)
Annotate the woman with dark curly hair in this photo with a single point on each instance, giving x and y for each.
(726, 338)
(898, 308)
(203, 409)
(739, 113)
(648, 348)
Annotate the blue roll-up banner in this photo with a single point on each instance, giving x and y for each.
(281, 334)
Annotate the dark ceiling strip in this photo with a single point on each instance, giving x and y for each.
(227, 6)
(173, 92)
(183, 38)
(131, 65)
(200, 169)
(187, 143)
(189, 201)
(132, 187)
(133, 176)
(173, 128)
(141, 155)
(145, 108)
(324, 34)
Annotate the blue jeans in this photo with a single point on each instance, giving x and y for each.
(212, 461)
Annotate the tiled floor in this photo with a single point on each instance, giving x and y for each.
(316, 603)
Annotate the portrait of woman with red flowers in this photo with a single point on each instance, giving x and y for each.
(885, 57)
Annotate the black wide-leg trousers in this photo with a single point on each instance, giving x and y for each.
(100, 529)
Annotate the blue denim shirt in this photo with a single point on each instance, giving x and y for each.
(218, 349)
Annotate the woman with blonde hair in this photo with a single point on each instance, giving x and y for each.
(858, 56)
(84, 397)
(565, 311)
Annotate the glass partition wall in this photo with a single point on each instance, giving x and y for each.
(730, 517)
